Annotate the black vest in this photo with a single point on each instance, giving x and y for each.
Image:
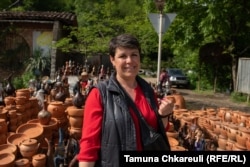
(118, 130)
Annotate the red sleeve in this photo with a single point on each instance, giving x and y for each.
(91, 132)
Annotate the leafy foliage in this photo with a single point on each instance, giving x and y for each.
(197, 23)
(38, 62)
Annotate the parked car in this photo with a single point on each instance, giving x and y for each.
(177, 77)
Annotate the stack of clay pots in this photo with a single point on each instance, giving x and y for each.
(229, 128)
(75, 118)
(3, 131)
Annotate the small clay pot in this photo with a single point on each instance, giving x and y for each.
(9, 100)
(28, 147)
(222, 140)
(39, 160)
(3, 126)
(20, 100)
(75, 122)
(23, 92)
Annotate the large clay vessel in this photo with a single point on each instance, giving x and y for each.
(57, 109)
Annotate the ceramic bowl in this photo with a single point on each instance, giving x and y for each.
(32, 130)
(7, 159)
(8, 148)
(16, 138)
(53, 124)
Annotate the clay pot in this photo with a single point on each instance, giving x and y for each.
(178, 148)
(23, 92)
(32, 130)
(229, 145)
(74, 111)
(244, 117)
(245, 132)
(23, 162)
(20, 100)
(3, 126)
(3, 114)
(237, 147)
(20, 108)
(172, 134)
(172, 141)
(235, 116)
(39, 160)
(241, 140)
(222, 140)
(57, 109)
(180, 101)
(7, 160)
(220, 149)
(75, 122)
(224, 127)
(232, 131)
(8, 148)
(9, 100)
(3, 138)
(248, 143)
(217, 128)
(28, 147)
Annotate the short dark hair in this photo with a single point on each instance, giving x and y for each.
(123, 40)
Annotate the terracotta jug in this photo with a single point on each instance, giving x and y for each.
(28, 147)
(44, 116)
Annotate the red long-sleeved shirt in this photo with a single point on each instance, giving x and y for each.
(90, 142)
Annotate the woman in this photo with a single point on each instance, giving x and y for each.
(110, 125)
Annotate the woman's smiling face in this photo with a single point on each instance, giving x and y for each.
(126, 62)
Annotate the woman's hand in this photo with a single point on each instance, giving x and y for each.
(165, 107)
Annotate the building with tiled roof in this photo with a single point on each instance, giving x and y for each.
(23, 32)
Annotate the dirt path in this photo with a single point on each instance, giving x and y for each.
(196, 101)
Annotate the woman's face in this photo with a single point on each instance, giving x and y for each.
(126, 62)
